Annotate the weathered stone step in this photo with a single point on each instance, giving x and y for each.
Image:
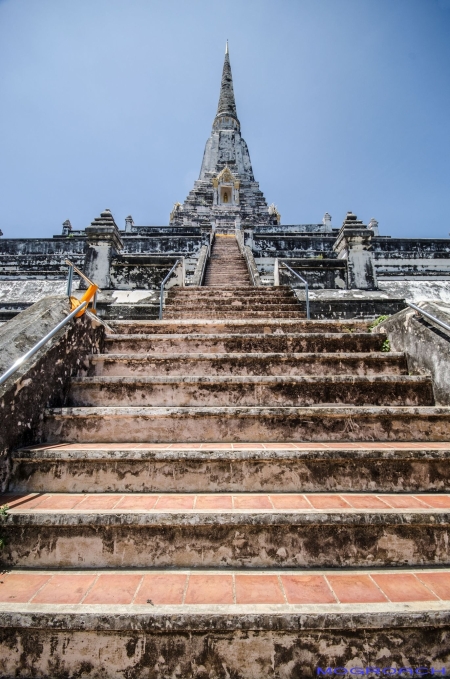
(231, 289)
(263, 291)
(252, 424)
(250, 364)
(240, 303)
(219, 314)
(226, 270)
(238, 343)
(218, 306)
(220, 264)
(384, 390)
(250, 326)
(209, 468)
(217, 531)
(228, 274)
(238, 293)
(218, 280)
(298, 619)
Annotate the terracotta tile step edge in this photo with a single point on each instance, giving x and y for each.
(364, 596)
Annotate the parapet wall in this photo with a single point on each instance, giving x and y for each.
(44, 379)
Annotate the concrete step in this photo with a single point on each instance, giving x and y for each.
(222, 269)
(128, 311)
(284, 623)
(246, 300)
(200, 307)
(230, 274)
(219, 279)
(221, 263)
(242, 344)
(219, 314)
(219, 295)
(225, 531)
(219, 467)
(263, 291)
(227, 272)
(250, 326)
(389, 363)
(252, 424)
(384, 390)
(201, 292)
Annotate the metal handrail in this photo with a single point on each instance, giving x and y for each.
(244, 252)
(161, 296)
(15, 366)
(306, 286)
(73, 268)
(427, 315)
(208, 257)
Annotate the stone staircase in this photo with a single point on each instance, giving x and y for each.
(231, 497)
(226, 265)
(232, 295)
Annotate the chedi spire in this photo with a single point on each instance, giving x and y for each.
(227, 103)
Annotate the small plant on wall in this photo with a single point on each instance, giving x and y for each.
(376, 322)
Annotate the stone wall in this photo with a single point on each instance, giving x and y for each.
(44, 379)
(426, 344)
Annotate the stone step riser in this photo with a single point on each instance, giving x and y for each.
(246, 302)
(278, 327)
(232, 642)
(201, 425)
(314, 343)
(223, 305)
(223, 269)
(222, 393)
(220, 263)
(258, 364)
(228, 271)
(264, 291)
(246, 294)
(218, 472)
(243, 541)
(219, 280)
(168, 314)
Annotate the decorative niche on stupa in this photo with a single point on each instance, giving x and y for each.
(226, 189)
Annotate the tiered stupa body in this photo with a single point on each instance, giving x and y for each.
(226, 195)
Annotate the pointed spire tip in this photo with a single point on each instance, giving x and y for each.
(226, 47)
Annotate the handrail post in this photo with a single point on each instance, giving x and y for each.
(161, 293)
(303, 281)
(69, 280)
(307, 301)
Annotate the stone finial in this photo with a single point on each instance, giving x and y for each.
(273, 212)
(351, 221)
(129, 223)
(66, 227)
(373, 225)
(1, 233)
(326, 221)
(106, 219)
(177, 207)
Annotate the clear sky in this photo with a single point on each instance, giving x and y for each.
(344, 104)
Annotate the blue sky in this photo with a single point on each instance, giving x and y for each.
(344, 104)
